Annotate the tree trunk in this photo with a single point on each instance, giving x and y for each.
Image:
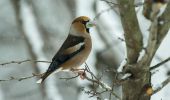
(135, 87)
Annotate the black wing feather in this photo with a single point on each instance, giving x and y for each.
(69, 42)
(60, 57)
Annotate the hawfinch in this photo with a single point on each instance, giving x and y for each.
(75, 49)
(152, 8)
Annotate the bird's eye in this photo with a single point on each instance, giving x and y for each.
(84, 22)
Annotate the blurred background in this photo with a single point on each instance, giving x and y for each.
(35, 29)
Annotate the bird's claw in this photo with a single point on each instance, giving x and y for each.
(80, 72)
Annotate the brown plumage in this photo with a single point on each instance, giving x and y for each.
(74, 50)
(151, 8)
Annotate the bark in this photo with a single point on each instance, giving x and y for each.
(135, 87)
(133, 35)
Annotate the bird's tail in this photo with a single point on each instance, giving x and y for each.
(43, 77)
(53, 67)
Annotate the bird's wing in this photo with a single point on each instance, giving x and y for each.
(71, 41)
(62, 55)
(67, 51)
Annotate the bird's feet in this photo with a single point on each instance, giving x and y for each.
(80, 72)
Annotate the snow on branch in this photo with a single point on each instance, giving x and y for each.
(94, 80)
(116, 4)
(161, 86)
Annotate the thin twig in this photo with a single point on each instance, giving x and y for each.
(159, 64)
(100, 13)
(101, 83)
(164, 83)
(22, 61)
(21, 78)
(94, 80)
(104, 86)
(88, 70)
(69, 78)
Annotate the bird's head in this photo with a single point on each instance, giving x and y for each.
(82, 24)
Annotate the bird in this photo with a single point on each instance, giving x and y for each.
(75, 49)
(152, 8)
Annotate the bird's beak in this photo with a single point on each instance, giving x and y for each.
(90, 24)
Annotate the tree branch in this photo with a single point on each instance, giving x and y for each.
(133, 35)
(157, 33)
(164, 25)
(164, 83)
(152, 41)
(21, 78)
(94, 80)
(159, 64)
(23, 61)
